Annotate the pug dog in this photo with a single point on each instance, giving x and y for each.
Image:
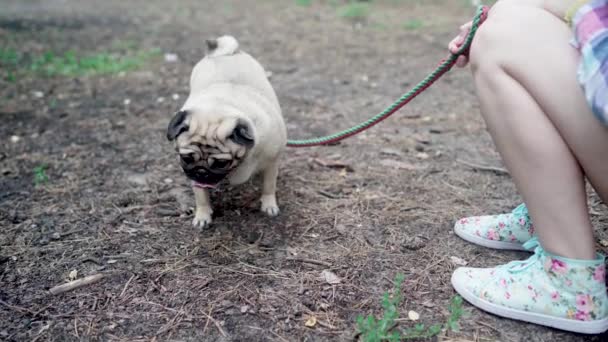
(230, 127)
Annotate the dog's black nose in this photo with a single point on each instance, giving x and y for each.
(203, 176)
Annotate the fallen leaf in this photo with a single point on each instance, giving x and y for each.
(428, 304)
(458, 261)
(73, 275)
(413, 315)
(311, 322)
(397, 164)
(330, 277)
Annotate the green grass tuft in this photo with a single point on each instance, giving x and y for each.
(413, 24)
(374, 329)
(14, 64)
(69, 64)
(304, 3)
(354, 10)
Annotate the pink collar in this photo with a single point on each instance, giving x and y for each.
(203, 186)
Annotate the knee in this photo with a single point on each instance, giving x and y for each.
(493, 39)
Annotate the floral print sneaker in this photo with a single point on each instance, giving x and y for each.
(546, 289)
(503, 231)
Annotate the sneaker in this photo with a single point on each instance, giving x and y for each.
(503, 231)
(549, 290)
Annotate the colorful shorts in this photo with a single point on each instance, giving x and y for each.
(590, 24)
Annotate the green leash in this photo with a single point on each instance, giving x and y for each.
(444, 66)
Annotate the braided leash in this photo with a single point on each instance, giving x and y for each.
(444, 66)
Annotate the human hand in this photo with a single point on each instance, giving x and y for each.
(457, 42)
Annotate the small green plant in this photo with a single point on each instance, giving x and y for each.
(303, 3)
(372, 329)
(456, 313)
(9, 59)
(40, 176)
(354, 10)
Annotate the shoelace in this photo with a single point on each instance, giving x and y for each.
(521, 211)
(522, 265)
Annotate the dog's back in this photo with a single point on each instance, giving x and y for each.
(225, 63)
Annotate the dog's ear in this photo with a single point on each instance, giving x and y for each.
(243, 134)
(177, 125)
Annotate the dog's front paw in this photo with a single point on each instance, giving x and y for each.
(269, 205)
(201, 220)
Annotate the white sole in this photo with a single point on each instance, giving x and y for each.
(583, 327)
(488, 243)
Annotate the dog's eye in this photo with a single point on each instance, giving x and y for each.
(187, 158)
(221, 163)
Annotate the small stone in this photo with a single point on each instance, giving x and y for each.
(160, 99)
(422, 155)
(138, 179)
(38, 94)
(413, 315)
(168, 180)
(171, 57)
(244, 309)
(15, 139)
(56, 236)
(175, 97)
(126, 102)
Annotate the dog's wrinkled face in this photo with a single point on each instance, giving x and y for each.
(209, 148)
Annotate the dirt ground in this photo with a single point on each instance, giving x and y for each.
(115, 202)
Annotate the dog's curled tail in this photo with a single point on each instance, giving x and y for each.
(222, 46)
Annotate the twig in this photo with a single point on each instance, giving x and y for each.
(498, 170)
(217, 325)
(310, 261)
(76, 284)
(488, 326)
(126, 286)
(18, 308)
(328, 194)
(279, 336)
